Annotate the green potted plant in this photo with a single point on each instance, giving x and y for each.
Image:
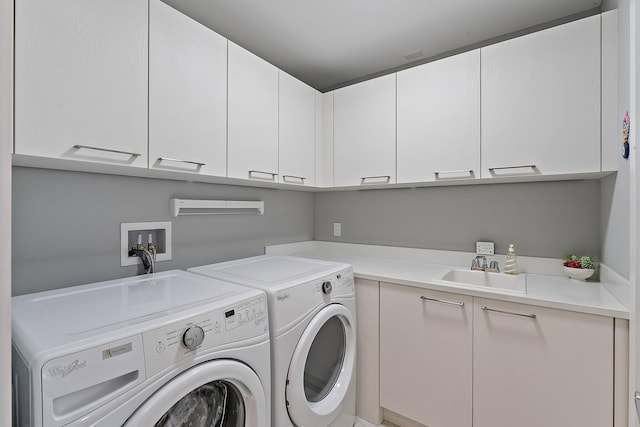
(579, 267)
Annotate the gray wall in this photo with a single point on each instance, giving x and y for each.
(616, 217)
(6, 145)
(66, 225)
(545, 219)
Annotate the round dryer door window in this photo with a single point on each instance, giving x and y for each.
(322, 367)
(220, 393)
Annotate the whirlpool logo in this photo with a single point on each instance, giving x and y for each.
(63, 371)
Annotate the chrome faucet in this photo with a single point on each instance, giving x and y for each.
(476, 265)
(493, 267)
(479, 263)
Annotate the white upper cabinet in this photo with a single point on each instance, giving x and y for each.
(81, 80)
(297, 132)
(324, 156)
(364, 129)
(611, 123)
(439, 120)
(541, 102)
(253, 116)
(187, 94)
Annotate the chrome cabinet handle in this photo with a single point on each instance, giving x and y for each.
(169, 159)
(293, 177)
(467, 171)
(441, 301)
(387, 178)
(530, 316)
(273, 175)
(513, 167)
(128, 153)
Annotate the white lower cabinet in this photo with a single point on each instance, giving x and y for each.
(425, 355)
(187, 94)
(450, 360)
(554, 370)
(368, 350)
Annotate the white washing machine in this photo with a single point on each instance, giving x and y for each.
(312, 314)
(167, 349)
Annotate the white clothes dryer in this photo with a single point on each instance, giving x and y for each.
(312, 314)
(166, 349)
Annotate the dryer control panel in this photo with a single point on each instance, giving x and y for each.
(166, 346)
(292, 304)
(335, 285)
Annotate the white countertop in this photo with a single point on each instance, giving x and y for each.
(415, 267)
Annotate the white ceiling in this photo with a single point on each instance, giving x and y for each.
(333, 42)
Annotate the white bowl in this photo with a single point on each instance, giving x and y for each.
(578, 273)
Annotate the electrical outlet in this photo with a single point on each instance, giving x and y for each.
(484, 248)
(337, 229)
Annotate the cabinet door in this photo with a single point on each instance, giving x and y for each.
(187, 94)
(368, 350)
(439, 120)
(253, 116)
(554, 370)
(425, 355)
(81, 80)
(365, 132)
(611, 123)
(325, 160)
(297, 130)
(541, 102)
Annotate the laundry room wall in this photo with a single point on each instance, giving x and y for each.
(66, 225)
(543, 219)
(6, 146)
(616, 189)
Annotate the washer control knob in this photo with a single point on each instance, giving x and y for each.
(193, 337)
(326, 287)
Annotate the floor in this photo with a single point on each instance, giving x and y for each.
(362, 423)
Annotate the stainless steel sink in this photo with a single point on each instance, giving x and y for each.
(498, 281)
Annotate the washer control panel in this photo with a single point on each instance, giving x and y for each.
(193, 337)
(167, 345)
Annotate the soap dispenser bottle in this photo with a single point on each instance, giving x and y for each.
(511, 266)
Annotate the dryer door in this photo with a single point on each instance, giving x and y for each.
(322, 368)
(216, 393)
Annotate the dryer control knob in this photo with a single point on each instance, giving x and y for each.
(326, 287)
(193, 337)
